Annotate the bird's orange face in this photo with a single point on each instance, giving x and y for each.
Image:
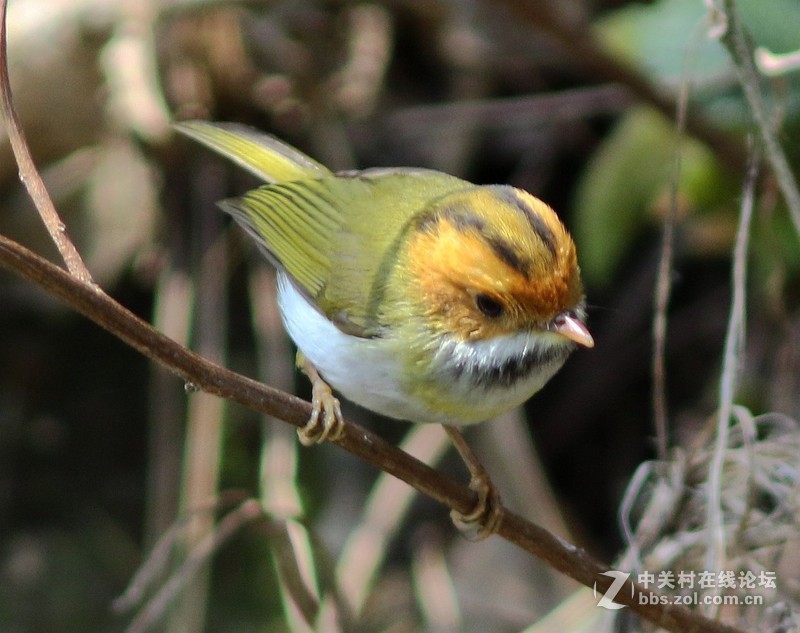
(493, 261)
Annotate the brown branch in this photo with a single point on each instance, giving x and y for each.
(203, 374)
(27, 170)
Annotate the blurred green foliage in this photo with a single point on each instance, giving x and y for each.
(630, 177)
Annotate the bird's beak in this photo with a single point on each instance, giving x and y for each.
(568, 325)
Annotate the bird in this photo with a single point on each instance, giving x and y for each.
(413, 293)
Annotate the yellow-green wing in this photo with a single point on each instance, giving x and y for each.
(261, 154)
(337, 236)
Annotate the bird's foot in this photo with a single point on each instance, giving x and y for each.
(326, 421)
(487, 515)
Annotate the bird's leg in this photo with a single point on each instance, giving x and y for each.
(326, 422)
(484, 520)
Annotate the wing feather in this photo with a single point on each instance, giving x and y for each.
(336, 235)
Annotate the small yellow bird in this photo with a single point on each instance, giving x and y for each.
(415, 294)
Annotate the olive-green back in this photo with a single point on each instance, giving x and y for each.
(338, 236)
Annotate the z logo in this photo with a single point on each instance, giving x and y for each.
(607, 600)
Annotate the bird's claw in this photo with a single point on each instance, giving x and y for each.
(487, 515)
(326, 421)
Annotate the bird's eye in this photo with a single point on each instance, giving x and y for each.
(489, 306)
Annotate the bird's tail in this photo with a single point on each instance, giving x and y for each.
(261, 154)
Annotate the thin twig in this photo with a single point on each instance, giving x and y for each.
(433, 585)
(662, 296)
(732, 360)
(290, 542)
(665, 267)
(154, 566)
(28, 173)
(229, 526)
(740, 47)
(172, 305)
(388, 502)
(296, 565)
(776, 64)
(156, 563)
(278, 491)
(203, 440)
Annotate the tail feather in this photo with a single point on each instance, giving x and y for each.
(261, 154)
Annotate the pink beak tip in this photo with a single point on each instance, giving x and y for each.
(571, 327)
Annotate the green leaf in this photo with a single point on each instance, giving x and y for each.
(774, 24)
(629, 176)
(668, 41)
(617, 188)
(665, 39)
